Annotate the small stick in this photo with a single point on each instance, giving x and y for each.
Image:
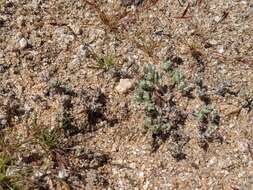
(224, 16)
(184, 13)
(250, 151)
(199, 2)
(180, 3)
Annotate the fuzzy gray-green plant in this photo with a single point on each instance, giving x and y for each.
(167, 66)
(180, 82)
(202, 115)
(144, 94)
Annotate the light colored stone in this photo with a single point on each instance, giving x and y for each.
(1, 54)
(76, 29)
(20, 21)
(213, 42)
(212, 161)
(124, 85)
(62, 174)
(23, 43)
(221, 49)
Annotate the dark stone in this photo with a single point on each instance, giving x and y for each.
(131, 2)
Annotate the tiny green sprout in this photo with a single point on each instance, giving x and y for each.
(166, 127)
(149, 68)
(135, 68)
(203, 114)
(105, 62)
(60, 87)
(166, 66)
(151, 75)
(66, 89)
(182, 86)
(157, 78)
(214, 117)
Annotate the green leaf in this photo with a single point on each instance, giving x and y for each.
(166, 66)
(147, 121)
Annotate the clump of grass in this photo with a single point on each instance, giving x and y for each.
(112, 23)
(147, 45)
(7, 182)
(49, 139)
(106, 62)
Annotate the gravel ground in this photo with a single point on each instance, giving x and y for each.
(69, 71)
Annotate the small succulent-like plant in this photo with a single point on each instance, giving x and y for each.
(163, 118)
(178, 77)
(145, 95)
(202, 115)
(179, 81)
(167, 66)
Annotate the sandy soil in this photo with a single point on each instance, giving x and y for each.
(64, 123)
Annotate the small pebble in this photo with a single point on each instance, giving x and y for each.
(131, 2)
(124, 85)
(221, 49)
(76, 29)
(1, 54)
(20, 21)
(62, 174)
(38, 174)
(3, 119)
(213, 42)
(23, 43)
(2, 68)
